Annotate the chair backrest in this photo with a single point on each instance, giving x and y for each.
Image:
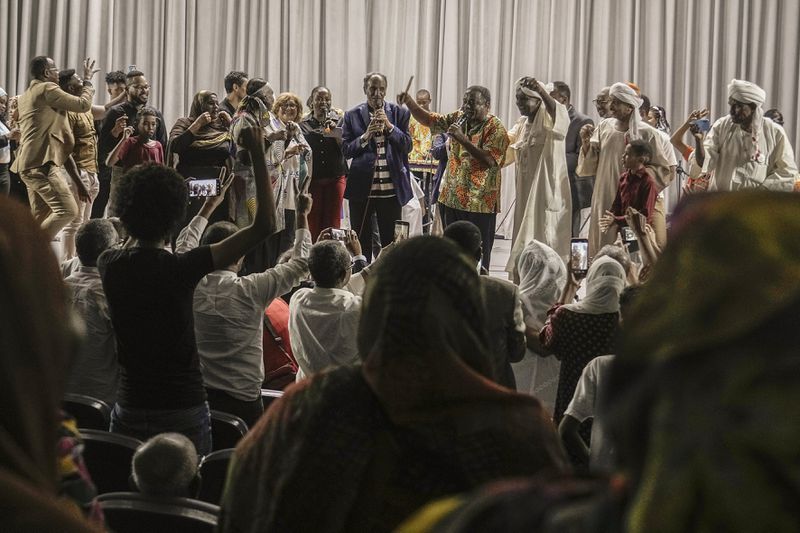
(213, 471)
(226, 430)
(270, 395)
(129, 512)
(89, 413)
(108, 458)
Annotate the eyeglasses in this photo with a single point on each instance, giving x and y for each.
(601, 100)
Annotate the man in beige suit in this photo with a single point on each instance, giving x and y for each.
(46, 141)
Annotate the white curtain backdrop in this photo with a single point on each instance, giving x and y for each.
(682, 53)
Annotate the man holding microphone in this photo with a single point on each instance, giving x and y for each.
(375, 136)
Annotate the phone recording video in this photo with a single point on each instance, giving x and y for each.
(401, 230)
(339, 234)
(579, 257)
(202, 188)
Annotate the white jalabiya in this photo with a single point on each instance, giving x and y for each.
(543, 207)
(604, 160)
(727, 155)
(542, 278)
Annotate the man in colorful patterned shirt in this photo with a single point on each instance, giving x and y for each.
(471, 188)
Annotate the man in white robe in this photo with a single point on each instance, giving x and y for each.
(543, 209)
(745, 151)
(601, 156)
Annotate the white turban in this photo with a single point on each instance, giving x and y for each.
(622, 92)
(527, 91)
(750, 93)
(3, 92)
(746, 92)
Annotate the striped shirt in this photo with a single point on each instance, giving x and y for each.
(382, 186)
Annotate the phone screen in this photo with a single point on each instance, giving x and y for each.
(401, 229)
(627, 234)
(339, 234)
(579, 257)
(201, 188)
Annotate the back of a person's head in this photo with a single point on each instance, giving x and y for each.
(151, 201)
(218, 232)
(37, 340)
(166, 466)
(617, 254)
(328, 263)
(93, 238)
(467, 236)
(39, 66)
(627, 299)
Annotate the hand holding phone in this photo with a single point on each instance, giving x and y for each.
(401, 230)
(579, 257)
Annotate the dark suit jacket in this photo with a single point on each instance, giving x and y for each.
(506, 342)
(577, 120)
(362, 168)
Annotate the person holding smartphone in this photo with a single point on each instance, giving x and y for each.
(577, 332)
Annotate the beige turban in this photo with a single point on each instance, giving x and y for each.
(624, 93)
(746, 92)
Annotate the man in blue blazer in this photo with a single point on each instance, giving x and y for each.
(375, 136)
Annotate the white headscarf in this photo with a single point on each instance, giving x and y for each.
(750, 93)
(604, 283)
(527, 91)
(623, 92)
(3, 92)
(542, 278)
(5, 151)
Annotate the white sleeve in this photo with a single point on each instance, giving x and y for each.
(583, 402)
(189, 237)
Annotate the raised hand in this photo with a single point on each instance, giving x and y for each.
(88, 69)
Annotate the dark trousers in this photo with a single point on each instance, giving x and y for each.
(99, 205)
(387, 211)
(250, 412)
(5, 179)
(581, 189)
(486, 222)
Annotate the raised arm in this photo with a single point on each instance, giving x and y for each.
(231, 249)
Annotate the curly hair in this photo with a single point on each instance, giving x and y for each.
(151, 201)
(283, 98)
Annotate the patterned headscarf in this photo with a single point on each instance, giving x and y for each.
(707, 373)
(623, 92)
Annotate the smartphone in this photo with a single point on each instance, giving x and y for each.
(202, 188)
(339, 234)
(627, 234)
(579, 257)
(702, 125)
(401, 230)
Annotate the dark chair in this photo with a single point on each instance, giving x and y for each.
(89, 413)
(108, 458)
(226, 430)
(132, 512)
(270, 395)
(213, 471)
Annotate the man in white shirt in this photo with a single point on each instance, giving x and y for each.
(745, 151)
(95, 372)
(323, 321)
(229, 320)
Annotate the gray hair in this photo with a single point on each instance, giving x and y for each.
(93, 238)
(165, 466)
(617, 254)
(328, 263)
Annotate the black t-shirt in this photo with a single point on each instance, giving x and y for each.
(149, 293)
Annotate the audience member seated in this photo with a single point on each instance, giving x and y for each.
(280, 366)
(95, 372)
(420, 419)
(586, 403)
(149, 293)
(503, 306)
(37, 337)
(706, 376)
(323, 321)
(543, 276)
(229, 320)
(166, 466)
(618, 253)
(578, 332)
